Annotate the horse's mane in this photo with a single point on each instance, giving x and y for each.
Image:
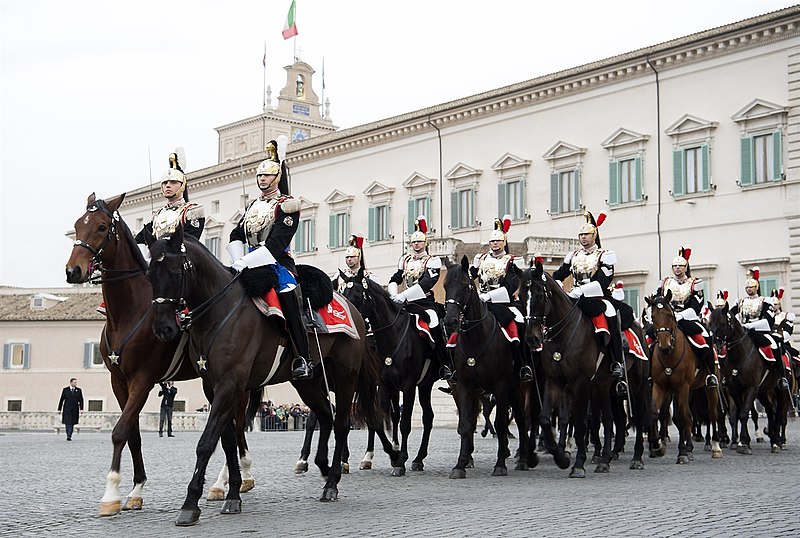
(453, 272)
(122, 227)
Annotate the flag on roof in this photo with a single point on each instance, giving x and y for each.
(289, 27)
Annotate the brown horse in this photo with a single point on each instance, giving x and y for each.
(675, 372)
(235, 348)
(134, 357)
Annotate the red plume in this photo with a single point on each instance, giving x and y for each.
(780, 292)
(725, 294)
(619, 285)
(506, 223)
(601, 218)
(359, 242)
(756, 272)
(423, 224)
(687, 252)
(538, 258)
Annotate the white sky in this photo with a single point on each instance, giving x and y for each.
(88, 87)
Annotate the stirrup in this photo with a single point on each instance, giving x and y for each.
(446, 390)
(525, 373)
(616, 371)
(301, 369)
(711, 381)
(446, 373)
(622, 388)
(783, 383)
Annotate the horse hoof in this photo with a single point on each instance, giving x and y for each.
(533, 460)
(707, 447)
(329, 494)
(723, 444)
(595, 460)
(603, 468)
(216, 494)
(697, 438)
(133, 503)
(716, 454)
(577, 473)
(500, 471)
(458, 473)
(744, 450)
(345, 468)
(417, 466)
(365, 465)
(110, 508)
(470, 463)
(614, 456)
(521, 466)
(562, 460)
(398, 471)
(396, 447)
(247, 485)
(232, 506)
(690, 455)
(188, 517)
(783, 446)
(682, 460)
(775, 449)
(300, 467)
(759, 440)
(637, 465)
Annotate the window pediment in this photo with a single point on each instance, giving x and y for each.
(337, 197)
(624, 137)
(307, 205)
(690, 124)
(510, 164)
(758, 108)
(377, 189)
(418, 181)
(462, 175)
(563, 150)
(212, 224)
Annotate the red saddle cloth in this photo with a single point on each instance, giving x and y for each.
(600, 323)
(787, 361)
(698, 340)
(509, 331)
(634, 344)
(422, 327)
(336, 314)
(767, 354)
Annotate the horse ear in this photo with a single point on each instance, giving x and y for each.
(710, 306)
(649, 300)
(668, 296)
(464, 263)
(176, 237)
(114, 203)
(91, 200)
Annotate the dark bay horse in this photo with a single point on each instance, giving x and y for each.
(235, 348)
(675, 372)
(409, 360)
(134, 357)
(484, 362)
(746, 377)
(572, 360)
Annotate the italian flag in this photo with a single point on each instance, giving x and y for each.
(289, 27)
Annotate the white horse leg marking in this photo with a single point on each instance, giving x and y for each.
(217, 491)
(110, 504)
(248, 481)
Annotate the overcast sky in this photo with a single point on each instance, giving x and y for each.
(89, 88)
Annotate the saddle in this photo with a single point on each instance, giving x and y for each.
(315, 285)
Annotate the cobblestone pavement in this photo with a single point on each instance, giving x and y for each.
(55, 486)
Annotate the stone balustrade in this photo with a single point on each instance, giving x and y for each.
(100, 421)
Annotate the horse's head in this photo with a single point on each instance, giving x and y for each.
(534, 297)
(95, 233)
(458, 290)
(723, 325)
(664, 322)
(168, 270)
(355, 289)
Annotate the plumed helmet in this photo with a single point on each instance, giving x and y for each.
(722, 298)
(777, 295)
(501, 228)
(684, 253)
(177, 161)
(752, 278)
(274, 164)
(355, 248)
(591, 225)
(420, 230)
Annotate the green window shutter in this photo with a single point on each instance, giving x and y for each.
(372, 226)
(299, 236)
(454, 224)
(332, 231)
(472, 208)
(501, 199)
(554, 205)
(677, 173)
(777, 156)
(87, 355)
(706, 167)
(639, 180)
(427, 205)
(346, 229)
(576, 188)
(6, 356)
(311, 235)
(26, 360)
(412, 208)
(746, 173)
(613, 183)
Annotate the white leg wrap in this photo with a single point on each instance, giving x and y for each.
(136, 491)
(112, 493)
(222, 479)
(368, 456)
(434, 319)
(245, 462)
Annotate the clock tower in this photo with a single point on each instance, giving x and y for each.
(297, 116)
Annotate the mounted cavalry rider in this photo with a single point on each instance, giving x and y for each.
(267, 228)
(499, 278)
(420, 272)
(687, 302)
(177, 211)
(757, 315)
(592, 271)
(784, 327)
(353, 260)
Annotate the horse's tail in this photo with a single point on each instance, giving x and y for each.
(366, 406)
(253, 405)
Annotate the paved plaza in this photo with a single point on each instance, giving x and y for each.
(52, 486)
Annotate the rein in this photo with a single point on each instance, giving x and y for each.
(400, 312)
(466, 325)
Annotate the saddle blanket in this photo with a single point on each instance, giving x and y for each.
(787, 362)
(634, 344)
(422, 327)
(600, 324)
(335, 317)
(509, 331)
(767, 354)
(698, 341)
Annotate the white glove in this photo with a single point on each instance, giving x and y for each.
(145, 250)
(399, 298)
(235, 250)
(392, 289)
(239, 265)
(759, 325)
(485, 297)
(575, 292)
(258, 258)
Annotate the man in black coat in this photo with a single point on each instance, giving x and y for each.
(72, 404)
(167, 393)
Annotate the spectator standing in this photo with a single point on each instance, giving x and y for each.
(71, 406)
(167, 393)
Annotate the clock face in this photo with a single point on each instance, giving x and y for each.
(299, 134)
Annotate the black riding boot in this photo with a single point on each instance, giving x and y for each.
(447, 371)
(291, 303)
(708, 360)
(617, 357)
(780, 372)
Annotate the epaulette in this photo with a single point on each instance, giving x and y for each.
(193, 211)
(290, 205)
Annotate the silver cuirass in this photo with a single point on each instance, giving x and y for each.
(750, 308)
(492, 270)
(166, 220)
(584, 265)
(681, 292)
(413, 270)
(258, 220)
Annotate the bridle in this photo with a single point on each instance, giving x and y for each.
(549, 333)
(669, 330)
(466, 325)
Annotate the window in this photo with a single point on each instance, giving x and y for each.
(625, 181)
(632, 299)
(564, 191)
(462, 208)
(761, 159)
(94, 405)
(416, 207)
(766, 285)
(243, 199)
(16, 355)
(215, 206)
(14, 405)
(91, 355)
(37, 303)
(339, 230)
(212, 244)
(378, 225)
(691, 170)
(304, 238)
(139, 223)
(511, 199)
(179, 406)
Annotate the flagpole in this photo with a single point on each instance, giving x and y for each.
(294, 39)
(264, 88)
(322, 103)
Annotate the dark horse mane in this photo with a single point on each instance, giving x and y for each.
(122, 227)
